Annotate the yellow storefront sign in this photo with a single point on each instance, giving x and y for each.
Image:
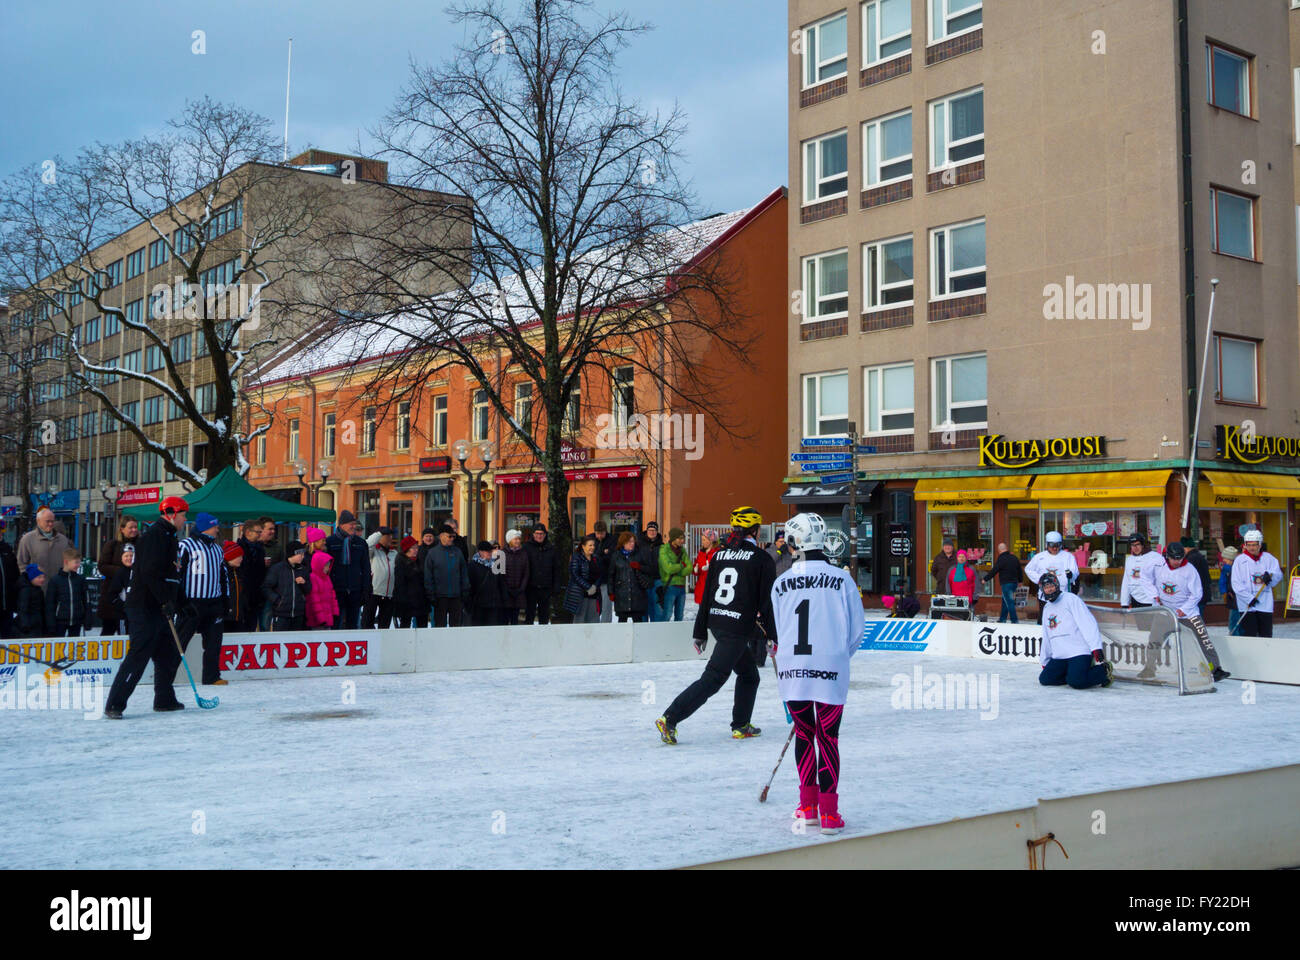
(1126, 485)
(970, 493)
(1261, 491)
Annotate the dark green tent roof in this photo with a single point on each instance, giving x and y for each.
(232, 499)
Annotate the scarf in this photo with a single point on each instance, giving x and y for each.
(959, 574)
(481, 561)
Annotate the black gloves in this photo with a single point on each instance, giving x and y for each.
(1266, 578)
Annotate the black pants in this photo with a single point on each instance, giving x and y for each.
(731, 654)
(404, 621)
(448, 612)
(284, 624)
(349, 617)
(248, 623)
(8, 625)
(208, 618)
(510, 615)
(1256, 623)
(150, 639)
(817, 743)
(538, 601)
(65, 630)
(109, 628)
(379, 613)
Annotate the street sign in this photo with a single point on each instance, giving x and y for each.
(900, 546)
(820, 457)
(825, 467)
(866, 449)
(836, 477)
(900, 529)
(825, 442)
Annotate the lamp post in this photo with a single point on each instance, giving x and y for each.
(313, 490)
(110, 493)
(486, 451)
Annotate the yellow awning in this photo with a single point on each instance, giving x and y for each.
(973, 488)
(1113, 485)
(1255, 485)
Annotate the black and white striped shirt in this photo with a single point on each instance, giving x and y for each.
(203, 568)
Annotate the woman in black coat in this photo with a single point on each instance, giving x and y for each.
(581, 596)
(112, 595)
(487, 588)
(410, 602)
(627, 581)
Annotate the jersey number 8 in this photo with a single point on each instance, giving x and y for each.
(726, 591)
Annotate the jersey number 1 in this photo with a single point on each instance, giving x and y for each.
(803, 648)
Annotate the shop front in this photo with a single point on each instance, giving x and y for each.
(613, 494)
(960, 510)
(1231, 504)
(831, 503)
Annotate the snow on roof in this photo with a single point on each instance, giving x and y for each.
(359, 343)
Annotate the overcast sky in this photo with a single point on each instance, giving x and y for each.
(77, 71)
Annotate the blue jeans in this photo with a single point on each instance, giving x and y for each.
(1234, 617)
(1008, 604)
(675, 601)
(1079, 672)
(654, 613)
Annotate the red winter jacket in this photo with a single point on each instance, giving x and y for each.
(322, 605)
(701, 571)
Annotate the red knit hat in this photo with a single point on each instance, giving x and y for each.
(408, 543)
(232, 550)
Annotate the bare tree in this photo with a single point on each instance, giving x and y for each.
(21, 449)
(576, 261)
(229, 220)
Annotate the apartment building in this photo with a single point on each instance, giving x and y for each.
(1008, 218)
(97, 465)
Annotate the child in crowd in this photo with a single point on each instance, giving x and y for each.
(287, 587)
(237, 601)
(112, 597)
(65, 598)
(322, 603)
(31, 603)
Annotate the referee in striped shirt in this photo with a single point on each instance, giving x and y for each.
(205, 587)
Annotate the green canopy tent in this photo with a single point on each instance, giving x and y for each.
(232, 499)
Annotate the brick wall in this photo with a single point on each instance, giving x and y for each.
(887, 319)
(885, 71)
(821, 329)
(824, 210)
(824, 91)
(889, 193)
(970, 306)
(955, 47)
(956, 176)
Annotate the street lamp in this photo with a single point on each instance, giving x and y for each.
(486, 451)
(313, 490)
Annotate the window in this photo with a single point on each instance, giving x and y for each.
(174, 410)
(887, 149)
(293, 440)
(226, 219)
(1295, 100)
(959, 389)
(1232, 223)
(91, 333)
(158, 254)
(70, 476)
(1238, 370)
(221, 275)
(131, 361)
(826, 49)
(948, 18)
(887, 274)
(135, 263)
(11, 483)
(440, 421)
(112, 275)
(957, 129)
(261, 450)
(88, 422)
(205, 398)
(152, 410)
(403, 432)
(153, 358)
(151, 470)
(112, 324)
(180, 347)
(135, 311)
(180, 454)
(524, 407)
(107, 467)
(826, 167)
(573, 412)
(183, 240)
(1227, 79)
(957, 266)
(624, 394)
(329, 431)
(889, 399)
(131, 411)
(111, 363)
(128, 471)
(886, 30)
(826, 403)
(826, 285)
(160, 303)
(368, 430)
(479, 415)
(201, 344)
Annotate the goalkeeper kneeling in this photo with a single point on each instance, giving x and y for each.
(1072, 650)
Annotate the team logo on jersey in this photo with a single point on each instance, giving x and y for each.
(1257, 579)
(1168, 588)
(897, 634)
(1052, 621)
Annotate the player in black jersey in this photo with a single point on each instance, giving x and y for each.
(737, 607)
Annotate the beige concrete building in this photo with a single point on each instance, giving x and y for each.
(1006, 216)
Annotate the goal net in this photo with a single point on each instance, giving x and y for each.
(1149, 645)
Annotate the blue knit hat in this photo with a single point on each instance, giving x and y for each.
(32, 571)
(205, 522)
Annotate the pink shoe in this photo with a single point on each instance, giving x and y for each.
(832, 822)
(806, 814)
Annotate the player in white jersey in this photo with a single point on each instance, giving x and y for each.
(1060, 562)
(1072, 649)
(1136, 589)
(1177, 587)
(1253, 574)
(819, 623)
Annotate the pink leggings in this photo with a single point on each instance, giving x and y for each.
(818, 721)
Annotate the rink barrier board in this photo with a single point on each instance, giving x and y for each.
(1224, 822)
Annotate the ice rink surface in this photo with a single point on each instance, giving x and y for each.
(562, 767)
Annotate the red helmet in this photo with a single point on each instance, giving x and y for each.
(172, 505)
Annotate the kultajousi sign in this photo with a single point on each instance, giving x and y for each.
(996, 451)
(1235, 444)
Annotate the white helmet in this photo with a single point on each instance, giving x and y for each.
(805, 531)
(1254, 536)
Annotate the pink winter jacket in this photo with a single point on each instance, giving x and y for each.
(322, 605)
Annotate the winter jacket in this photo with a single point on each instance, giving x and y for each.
(583, 575)
(701, 570)
(383, 567)
(966, 587)
(939, 569)
(10, 579)
(1202, 567)
(543, 565)
(409, 598)
(288, 597)
(322, 604)
(112, 594)
(238, 599)
(446, 575)
(629, 586)
(423, 553)
(156, 579)
(1008, 567)
(65, 602)
(352, 578)
(487, 589)
(672, 566)
(648, 553)
(782, 557)
(110, 557)
(516, 577)
(31, 610)
(604, 550)
(45, 552)
(254, 570)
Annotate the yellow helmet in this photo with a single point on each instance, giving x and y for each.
(745, 517)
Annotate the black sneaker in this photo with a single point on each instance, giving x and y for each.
(1110, 673)
(1220, 674)
(112, 713)
(169, 708)
(745, 732)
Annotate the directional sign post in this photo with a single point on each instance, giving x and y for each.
(815, 442)
(837, 477)
(821, 457)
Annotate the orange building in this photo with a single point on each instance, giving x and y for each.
(396, 464)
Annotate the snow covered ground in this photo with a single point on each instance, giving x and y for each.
(561, 767)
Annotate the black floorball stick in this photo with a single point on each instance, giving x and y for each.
(762, 797)
(205, 703)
